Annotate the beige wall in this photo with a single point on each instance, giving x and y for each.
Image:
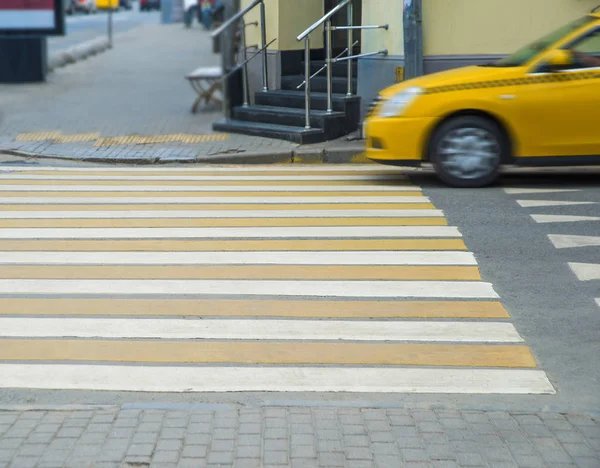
(457, 27)
(286, 19)
(294, 17)
(375, 12)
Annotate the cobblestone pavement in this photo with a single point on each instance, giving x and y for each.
(117, 437)
(136, 89)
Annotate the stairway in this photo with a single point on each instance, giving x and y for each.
(281, 113)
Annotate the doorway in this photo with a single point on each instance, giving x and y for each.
(339, 39)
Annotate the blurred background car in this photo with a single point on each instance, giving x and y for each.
(147, 5)
(87, 6)
(127, 4)
(69, 6)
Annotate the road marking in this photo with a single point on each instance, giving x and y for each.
(396, 289)
(586, 271)
(305, 201)
(216, 222)
(268, 353)
(565, 242)
(240, 329)
(515, 191)
(191, 245)
(213, 214)
(598, 301)
(240, 258)
(246, 178)
(242, 272)
(253, 308)
(544, 218)
(296, 379)
(264, 232)
(217, 208)
(214, 190)
(309, 169)
(537, 203)
(264, 185)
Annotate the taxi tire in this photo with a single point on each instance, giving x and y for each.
(468, 121)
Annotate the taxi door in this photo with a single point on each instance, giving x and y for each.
(559, 111)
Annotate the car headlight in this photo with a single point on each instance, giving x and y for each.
(398, 103)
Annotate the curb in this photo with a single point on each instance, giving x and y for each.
(77, 53)
(347, 155)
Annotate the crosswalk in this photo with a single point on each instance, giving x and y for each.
(221, 279)
(545, 197)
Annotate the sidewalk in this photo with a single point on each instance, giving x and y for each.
(197, 436)
(136, 92)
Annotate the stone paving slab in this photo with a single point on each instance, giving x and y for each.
(222, 435)
(136, 88)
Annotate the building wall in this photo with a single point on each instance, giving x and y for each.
(475, 27)
(286, 19)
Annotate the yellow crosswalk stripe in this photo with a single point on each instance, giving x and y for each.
(253, 308)
(178, 245)
(293, 272)
(267, 353)
(217, 222)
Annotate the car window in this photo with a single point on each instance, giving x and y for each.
(589, 44)
(524, 55)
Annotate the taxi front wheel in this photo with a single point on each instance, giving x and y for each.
(467, 151)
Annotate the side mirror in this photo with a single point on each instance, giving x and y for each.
(559, 59)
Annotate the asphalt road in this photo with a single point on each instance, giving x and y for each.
(555, 311)
(82, 27)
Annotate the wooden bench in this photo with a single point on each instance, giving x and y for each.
(205, 81)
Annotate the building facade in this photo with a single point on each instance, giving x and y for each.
(454, 33)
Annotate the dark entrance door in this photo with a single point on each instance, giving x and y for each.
(340, 38)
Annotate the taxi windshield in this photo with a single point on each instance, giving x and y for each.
(525, 54)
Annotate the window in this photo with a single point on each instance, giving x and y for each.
(524, 55)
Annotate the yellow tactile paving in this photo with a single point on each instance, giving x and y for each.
(257, 272)
(267, 353)
(254, 308)
(175, 245)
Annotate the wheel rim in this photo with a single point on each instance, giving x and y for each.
(469, 153)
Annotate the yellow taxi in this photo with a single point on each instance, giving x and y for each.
(537, 107)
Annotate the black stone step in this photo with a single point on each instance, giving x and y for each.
(318, 84)
(349, 105)
(338, 68)
(281, 132)
(333, 124)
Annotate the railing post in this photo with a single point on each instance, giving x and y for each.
(244, 58)
(329, 64)
(350, 21)
(263, 35)
(307, 78)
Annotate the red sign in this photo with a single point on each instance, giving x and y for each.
(40, 17)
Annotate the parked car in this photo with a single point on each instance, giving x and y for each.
(87, 6)
(147, 5)
(127, 4)
(537, 107)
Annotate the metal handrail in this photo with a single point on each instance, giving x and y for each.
(329, 29)
(325, 66)
(217, 32)
(366, 54)
(323, 19)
